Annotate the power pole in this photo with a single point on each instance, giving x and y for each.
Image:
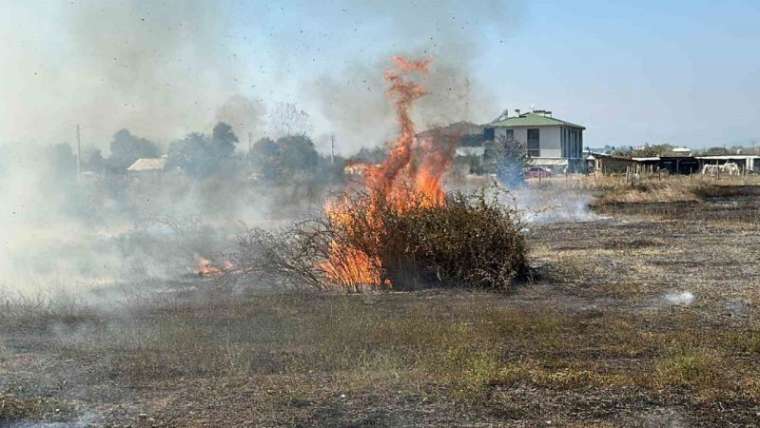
(250, 142)
(332, 149)
(79, 154)
(467, 99)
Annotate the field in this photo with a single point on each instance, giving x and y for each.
(643, 314)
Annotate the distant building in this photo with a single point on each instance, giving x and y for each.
(147, 166)
(671, 163)
(746, 163)
(551, 142)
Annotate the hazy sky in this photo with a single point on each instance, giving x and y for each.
(682, 72)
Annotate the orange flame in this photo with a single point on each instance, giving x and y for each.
(204, 267)
(413, 170)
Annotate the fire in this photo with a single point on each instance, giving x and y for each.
(413, 171)
(204, 267)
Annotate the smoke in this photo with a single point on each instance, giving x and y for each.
(245, 115)
(684, 298)
(553, 205)
(160, 69)
(352, 99)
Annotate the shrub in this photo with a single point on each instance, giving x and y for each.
(470, 241)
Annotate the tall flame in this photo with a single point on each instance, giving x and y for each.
(412, 171)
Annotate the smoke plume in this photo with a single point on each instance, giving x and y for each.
(160, 69)
(352, 98)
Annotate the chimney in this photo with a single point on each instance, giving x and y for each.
(517, 112)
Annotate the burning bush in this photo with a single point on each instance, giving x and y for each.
(467, 241)
(470, 240)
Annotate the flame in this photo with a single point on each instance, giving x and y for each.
(413, 171)
(204, 267)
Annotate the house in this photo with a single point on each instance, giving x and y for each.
(144, 167)
(551, 142)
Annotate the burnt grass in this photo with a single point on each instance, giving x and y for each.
(594, 340)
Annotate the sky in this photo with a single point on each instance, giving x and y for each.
(678, 72)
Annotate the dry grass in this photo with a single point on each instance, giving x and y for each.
(443, 349)
(593, 342)
(668, 189)
(14, 409)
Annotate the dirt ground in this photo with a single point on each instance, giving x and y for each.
(644, 314)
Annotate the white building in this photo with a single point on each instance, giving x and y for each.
(147, 168)
(551, 142)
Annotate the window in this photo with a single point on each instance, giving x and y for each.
(510, 134)
(488, 134)
(534, 149)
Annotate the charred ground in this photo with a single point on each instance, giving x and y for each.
(596, 340)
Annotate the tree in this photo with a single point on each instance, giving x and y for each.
(95, 161)
(201, 156)
(127, 148)
(263, 158)
(190, 155)
(507, 159)
(645, 151)
(297, 153)
(289, 156)
(374, 155)
(717, 151)
(223, 140)
(286, 119)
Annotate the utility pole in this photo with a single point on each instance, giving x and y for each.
(332, 149)
(467, 99)
(250, 142)
(79, 154)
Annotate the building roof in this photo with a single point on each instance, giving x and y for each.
(147, 164)
(532, 119)
(727, 157)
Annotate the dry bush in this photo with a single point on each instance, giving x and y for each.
(286, 257)
(470, 241)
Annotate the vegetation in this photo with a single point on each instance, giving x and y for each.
(201, 157)
(582, 346)
(507, 159)
(470, 241)
(612, 190)
(127, 148)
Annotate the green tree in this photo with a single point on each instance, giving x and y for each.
(201, 156)
(288, 157)
(127, 148)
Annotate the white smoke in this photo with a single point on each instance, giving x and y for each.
(684, 298)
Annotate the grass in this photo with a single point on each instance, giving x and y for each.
(14, 409)
(450, 348)
(591, 342)
(611, 190)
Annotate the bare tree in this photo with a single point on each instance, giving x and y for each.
(287, 119)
